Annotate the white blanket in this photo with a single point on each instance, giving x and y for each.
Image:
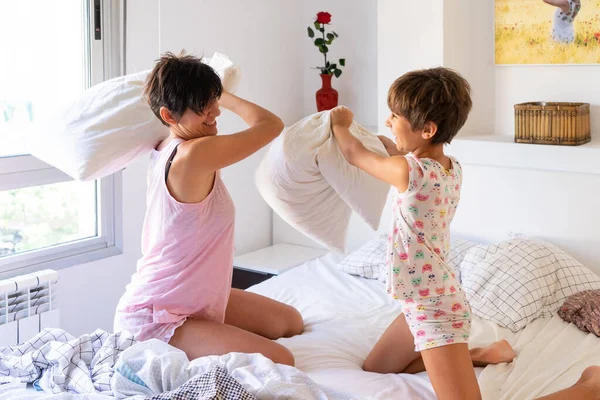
(163, 368)
(103, 365)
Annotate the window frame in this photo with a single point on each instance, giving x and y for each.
(106, 60)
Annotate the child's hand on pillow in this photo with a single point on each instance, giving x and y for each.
(341, 117)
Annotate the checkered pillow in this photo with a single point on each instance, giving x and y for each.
(368, 261)
(459, 248)
(519, 280)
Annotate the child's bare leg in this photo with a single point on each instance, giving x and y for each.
(586, 388)
(394, 351)
(495, 353)
(451, 372)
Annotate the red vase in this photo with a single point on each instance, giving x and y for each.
(327, 97)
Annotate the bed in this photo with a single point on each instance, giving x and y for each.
(345, 315)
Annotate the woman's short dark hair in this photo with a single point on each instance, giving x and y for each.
(181, 82)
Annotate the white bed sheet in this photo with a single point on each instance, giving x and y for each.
(345, 315)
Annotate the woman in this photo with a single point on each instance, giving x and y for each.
(181, 292)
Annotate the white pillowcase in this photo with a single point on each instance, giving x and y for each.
(365, 194)
(108, 126)
(306, 180)
(368, 261)
(519, 280)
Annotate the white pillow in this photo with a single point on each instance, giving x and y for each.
(519, 280)
(365, 195)
(306, 182)
(368, 261)
(107, 126)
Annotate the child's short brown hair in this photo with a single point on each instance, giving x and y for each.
(181, 82)
(439, 95)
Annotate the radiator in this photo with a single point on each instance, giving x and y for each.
(28, 304)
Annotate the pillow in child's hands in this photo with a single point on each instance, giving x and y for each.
(368, 261)
(519, 280)
(312, 188)
(108, 126)
(365, 195)
(289, 180)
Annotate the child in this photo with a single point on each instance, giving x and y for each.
(564, 16)
(428, 109)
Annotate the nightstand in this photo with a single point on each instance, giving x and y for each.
(252, 268)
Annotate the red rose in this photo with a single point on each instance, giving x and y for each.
(323, 17)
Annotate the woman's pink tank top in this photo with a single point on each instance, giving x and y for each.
(187, 261)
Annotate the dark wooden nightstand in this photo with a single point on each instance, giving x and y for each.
(258, 266)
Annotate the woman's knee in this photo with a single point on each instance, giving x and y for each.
(294, 323)
(282, 355)
(289, 323)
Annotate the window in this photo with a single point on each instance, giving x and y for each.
(52, 51)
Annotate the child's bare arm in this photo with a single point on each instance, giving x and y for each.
(390, 146)
(393, 170)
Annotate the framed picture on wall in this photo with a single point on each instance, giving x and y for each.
(538, 32)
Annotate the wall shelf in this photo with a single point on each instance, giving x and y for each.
(502, 151)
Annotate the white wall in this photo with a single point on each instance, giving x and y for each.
(498, 88)
(356, 23)
(410, 36)
(496, 201)
(557, 207)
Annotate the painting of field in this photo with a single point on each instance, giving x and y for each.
(523, 31)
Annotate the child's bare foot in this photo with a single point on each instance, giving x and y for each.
(496, 353)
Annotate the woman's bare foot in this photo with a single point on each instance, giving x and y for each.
(496, 353)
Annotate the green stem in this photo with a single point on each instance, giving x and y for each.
(325, 54)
